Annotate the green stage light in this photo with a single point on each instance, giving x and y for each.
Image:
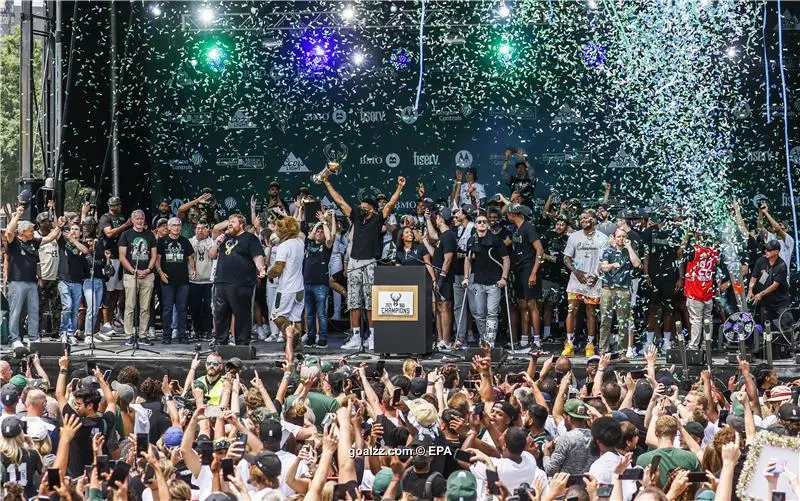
(504, 52)
(213, 54)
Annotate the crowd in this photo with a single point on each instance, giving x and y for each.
(331, 431)
(503, 269)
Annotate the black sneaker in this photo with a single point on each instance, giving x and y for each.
(309, 345)
(146, 342)
(321, 346)
(166, 340)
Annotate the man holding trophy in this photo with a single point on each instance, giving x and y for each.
(367, 222)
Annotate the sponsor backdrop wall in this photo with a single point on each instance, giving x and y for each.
(235, 109)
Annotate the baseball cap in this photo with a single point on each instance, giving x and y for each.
(777, 393)
(19, 381)
(9, 395)
(418, 387)
(446, 213)
(422, 411)
(421, 441)
(270, 430)
(789, 412)
(381, 482)
(381, 196)
(266, 461)
(576, 408)
(667, 379)
(114, 201)
(235, 363)
(42, 216)
(275, 184)
(12, 427)
(772, 245)
(90, 383)
(37, 430)
(519, 209)
(695, 429)
(173, 436)
(461, 486)
(125, 391)
(594, 359)
(508, 409)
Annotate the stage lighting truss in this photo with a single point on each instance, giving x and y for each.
(438, 16)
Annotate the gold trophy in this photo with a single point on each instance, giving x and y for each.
(335, 158)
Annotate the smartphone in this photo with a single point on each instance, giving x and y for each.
(74, 384)
(359, 394)
(604, 490)
(91, 365)
(491, 479)
(24, 425)
(23, 366)
(396, 396)
(340, 491)
(107, 375)
(778, 496)
(379, 367)
(142, 443)
(53, 478)
(554, 359)
(639, 374)
(697, 477)
(723, 417)
(102, 464)
(575, 479)
(635, 474)
(615, 355)
(242, 437)
(418, 371)
(655, 463)
(279, 364)
(470, 384)
(515, 378)
(67, 348)
(87, 471)
(227, 467)
(213, 411)
(462, 455)
(120, 473)
(206, 452)
(479, 409)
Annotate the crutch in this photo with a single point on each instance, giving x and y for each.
(508, 305)
(461, 313)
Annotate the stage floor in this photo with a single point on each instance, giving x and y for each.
(175, 359)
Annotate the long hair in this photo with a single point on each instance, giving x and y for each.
(11, 448)
(712, 455)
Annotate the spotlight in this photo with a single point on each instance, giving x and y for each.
(358, 58)
(393, 8)
(503, 11)
(504, 50)
(155, 10)
(214, 54)
(348, 13)
(270, 43)
(731, 52)
(592, 4)
(318, 50)
(206, 15)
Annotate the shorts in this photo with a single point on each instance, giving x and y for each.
(552, 292)
(524, 290)
(114, 283)
(289, 306)
(445, 292)
(360, 277)
(572, 296)
(664, 294)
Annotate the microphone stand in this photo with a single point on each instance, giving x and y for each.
(136, 326)
(92, 348)
(707, 336)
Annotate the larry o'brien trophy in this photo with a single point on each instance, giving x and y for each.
(335, 158)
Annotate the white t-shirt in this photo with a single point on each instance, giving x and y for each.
(510, 473)
(203, 262)
(48, 259)
(787, 248)
(291, 253)
(287, 458)
(339, 249)
(586, 253)
(463, 195)
(603, 470)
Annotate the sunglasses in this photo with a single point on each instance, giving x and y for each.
(213, 364)
(481, 221)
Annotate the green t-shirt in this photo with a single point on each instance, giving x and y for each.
(320, 403)
(671, 458)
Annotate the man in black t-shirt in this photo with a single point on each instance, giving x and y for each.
(175, 265)
(137, 256)
(71, 258)
(444, 256)
(23, 274)
(524, 180)
(526, 258)
(111, 225)
(769, 288)
(664, 281)
(240, 262)
(491, 267)
(316, 278)
(554, 274)
(367, 222)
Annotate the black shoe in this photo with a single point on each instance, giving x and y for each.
(166, 340)
(321, 346)
(182, 340)
(309, 344)
(144, 341)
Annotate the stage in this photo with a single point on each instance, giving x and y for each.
(175, 359)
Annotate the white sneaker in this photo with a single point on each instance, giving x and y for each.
(174, 333)
(443, 345)
(17, 344)
(523, 342)
(304, 338)
(353, 343)
(151, 333)
(631, 353)
(102, 337)
(271, 338)
(666, 345)
(280, 339)
(370, 342)
(536, 344)
(72, 340)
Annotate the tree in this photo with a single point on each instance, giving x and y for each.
(10, 112)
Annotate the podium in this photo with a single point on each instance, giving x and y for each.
(402, 298)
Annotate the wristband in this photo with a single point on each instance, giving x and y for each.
(169, 398)
(63, 371)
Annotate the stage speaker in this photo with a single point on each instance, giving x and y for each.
(241, 352)
(693, 357)
(48, 349)
(781, 351)
(471, 351)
